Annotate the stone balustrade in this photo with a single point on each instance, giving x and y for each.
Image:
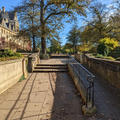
(33, 59)
(11, 71)
(107, 69)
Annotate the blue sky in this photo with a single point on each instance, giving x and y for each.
(67, 26)
(9, 5)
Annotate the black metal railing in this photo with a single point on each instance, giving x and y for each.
(86, 79)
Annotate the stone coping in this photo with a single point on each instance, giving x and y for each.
(112, 65)
(100, 59)
(10, 61)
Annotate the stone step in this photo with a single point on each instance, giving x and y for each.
(50, 70)
(51, 64)
(50, 67)
(61, 56)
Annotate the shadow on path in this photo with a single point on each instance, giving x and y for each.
(18, 98)
(107, 99)
(66, 104)
(53, 96)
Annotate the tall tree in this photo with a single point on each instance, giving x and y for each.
(74, 37)
(67, 48)
(28, 17)
(51, 13)
(55, 46)
(115, 20)
(97, 26)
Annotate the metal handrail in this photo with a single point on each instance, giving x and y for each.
(82, 67)
(86, 78)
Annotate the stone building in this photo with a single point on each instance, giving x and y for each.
(9, 29)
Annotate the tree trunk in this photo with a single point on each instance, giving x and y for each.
(43, 39)
(75, 49)
(43, 44)
(34, 44)
(33, 35)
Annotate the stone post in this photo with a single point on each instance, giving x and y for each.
(24, 68)
(30, 64)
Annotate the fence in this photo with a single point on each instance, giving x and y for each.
(84, 81)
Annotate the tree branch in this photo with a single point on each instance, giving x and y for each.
(50, 3)
(55, 13)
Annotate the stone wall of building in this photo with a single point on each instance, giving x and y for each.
(109, 70)
(9, 29)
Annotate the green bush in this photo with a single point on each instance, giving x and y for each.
(99, 56)
(103, 49)
(116, 52)
(104, 57)
(44, 56)
(109, 57)
(93, 49)
(9, 55)
(18, 54)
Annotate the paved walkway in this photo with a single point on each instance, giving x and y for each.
(52, 96)
(43, 96)
(107, 99)
(54, 61)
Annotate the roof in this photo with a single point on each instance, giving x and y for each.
(8, 15)
(9, 18)
(11, 15)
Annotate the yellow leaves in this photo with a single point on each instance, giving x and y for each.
(67, 50)
(112, 43)
(84, 48)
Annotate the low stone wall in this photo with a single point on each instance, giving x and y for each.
(109, 70)
(11, 72)
(77, 82)
(33, 59)
(86, 91)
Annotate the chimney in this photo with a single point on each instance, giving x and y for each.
(15, 13)
(3, 9)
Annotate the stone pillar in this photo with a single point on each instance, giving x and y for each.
(24, 68)
(30, 64)
(3, 9)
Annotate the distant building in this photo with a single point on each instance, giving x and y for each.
(9, 29)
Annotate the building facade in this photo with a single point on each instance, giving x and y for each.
(9, 29)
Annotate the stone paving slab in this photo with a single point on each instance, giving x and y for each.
(54, 61)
